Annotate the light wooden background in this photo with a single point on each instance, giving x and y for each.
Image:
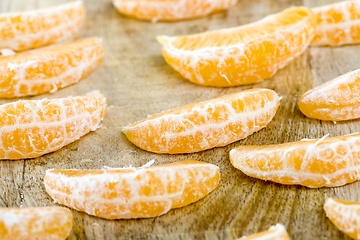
(137, 82)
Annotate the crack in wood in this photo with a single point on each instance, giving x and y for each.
(21, 188)
(3, 202)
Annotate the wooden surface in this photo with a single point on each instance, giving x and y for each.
(137, 82)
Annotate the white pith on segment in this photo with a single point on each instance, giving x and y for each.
(240, 55)
(207, 124)
(132, 193)
(41, 223)
(32, 128)
(32, 29)
(337, 24)
(170, 10)
(277, 232)
(48, 69)
(346, 217)
(336, 100)
(325, 162)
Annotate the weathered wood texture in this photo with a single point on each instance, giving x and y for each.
(137, 82)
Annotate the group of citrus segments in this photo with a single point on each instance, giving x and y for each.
(222, 58)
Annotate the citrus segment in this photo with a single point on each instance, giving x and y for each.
(32, 128)
(277, 232)
(47, 69)
(133, 192)
(242, 55)
(325, 162)
(204, 125)
(335, 100)
(41, 223)
(32, 29)
(170, 10)
(345, 215)
(337, 24)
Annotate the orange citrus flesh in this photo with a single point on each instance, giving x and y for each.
(345, 215)
(337, 24)
(31, 128)
(204, 125)
(40, 223)
(133, 192)
(170, 10)
(335, 100)
(325, 162)
(277, 232)
(32, 29)
(241, 55)
(47, 69)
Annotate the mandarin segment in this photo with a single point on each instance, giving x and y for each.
(37, 28)
(241, 55)
(206, 124)
(133, 192)
(170, 10)
(40, 223)
(32, 128)
(277, 232)
(345, 215)
(337, 24)
(50, 68)
(336, 100)
(325, 162)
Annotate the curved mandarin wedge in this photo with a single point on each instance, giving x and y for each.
(41, 223)
(32, 29)
(32, 128)
(170, 10)
(204, 125)
(337, 24)
(325, 162)
(277, 232)
(133, 192)
(336, 100)
(345, 215)
(241, 55)
(47, 69)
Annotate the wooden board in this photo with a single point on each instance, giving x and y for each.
(137, 82)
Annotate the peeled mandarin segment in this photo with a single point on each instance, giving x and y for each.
(135, 192)
(41, 223)
(170, 10)
(345, 215)
(204, 125)
(337, 24)
(32, 128)
(325, 162)
(33, 29)
(335, 100)
(242, 55)
(47, 69)
(277, 232)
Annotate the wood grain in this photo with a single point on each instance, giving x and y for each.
(137, 82)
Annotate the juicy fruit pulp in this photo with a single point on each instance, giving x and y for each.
(277, 232)
(170, 10)
(47, 69)
(32, 128)
(335, 100)
(207, 124)
(41, 223)
(244, 54)
(33, 29)
(133, 192)
(345, 215)
(325, 162)
(337, 24)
